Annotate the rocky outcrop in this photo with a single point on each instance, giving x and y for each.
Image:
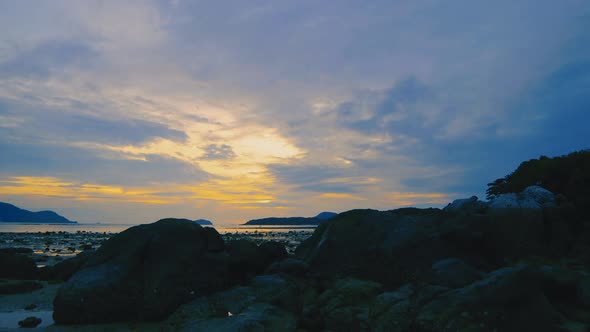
(532, 198)
(466, 205)
(66, 268)
(509, 299)
(147, 271)
(391, 247)
(144, 273)
(19, 286)
(16, 265)
(453, 272)
(343, 307)
(517, 263)
(266, 303)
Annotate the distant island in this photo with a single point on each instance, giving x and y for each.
(13, 214)
(203, 222)
(292, 221)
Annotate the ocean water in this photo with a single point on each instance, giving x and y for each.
(117, 228)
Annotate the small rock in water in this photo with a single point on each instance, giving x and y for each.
(30, 322)
(31, 307)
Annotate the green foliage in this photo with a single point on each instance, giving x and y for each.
(568, 175)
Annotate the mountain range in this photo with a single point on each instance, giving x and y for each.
(293, 221)
(11, 213)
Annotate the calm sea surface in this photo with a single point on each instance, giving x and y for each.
(116, 228)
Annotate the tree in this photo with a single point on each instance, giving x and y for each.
(568, 175)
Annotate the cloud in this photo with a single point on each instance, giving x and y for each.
(42, 60)
(247, 110)
(218, 152)
(71, 126)
(81, 191)
(79, 164)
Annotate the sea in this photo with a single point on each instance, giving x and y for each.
(117, 228)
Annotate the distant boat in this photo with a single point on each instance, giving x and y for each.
(12, 214)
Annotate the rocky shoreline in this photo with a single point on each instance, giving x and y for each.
(515, 263)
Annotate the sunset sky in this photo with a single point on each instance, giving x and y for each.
(131, 111)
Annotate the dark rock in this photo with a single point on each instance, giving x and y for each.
(345, 305)
(583, 291)
(390, 247)
(258, 317)
(17, 266)
(30, 307)
(66, 268)
(144, 273)
(532, 198)
(247, 259)
(11, 251)
(30, 322)
(272, 251)
(396, 311)
(466, 205)
(244, 259)
(509, 299)
(290, 266)
(453, 272)
(19, 286)
(214, 241)
(258, 306)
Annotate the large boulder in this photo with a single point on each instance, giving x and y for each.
(532, 223)
(263, 304)
(509, 299)
(466, 205)
(248, 259)
(257, 317)
(144, 273)
(18, 286)
(453, 272)
(65, 269)
(394, 247)
(344, 306)
(17, 266)
(532, 198)
(397, 310)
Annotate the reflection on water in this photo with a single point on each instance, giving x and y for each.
(11, 319)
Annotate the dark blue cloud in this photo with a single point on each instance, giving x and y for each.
(401, 98)
(39, 159)
(49, 57)
(316, 178)
(75, 124)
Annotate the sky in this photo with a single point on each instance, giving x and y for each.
(132, 111)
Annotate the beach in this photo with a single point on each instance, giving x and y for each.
(49, 245)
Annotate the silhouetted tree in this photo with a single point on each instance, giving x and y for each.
(568, 175)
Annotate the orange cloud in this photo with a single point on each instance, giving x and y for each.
(341, 196)
(410, 198)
